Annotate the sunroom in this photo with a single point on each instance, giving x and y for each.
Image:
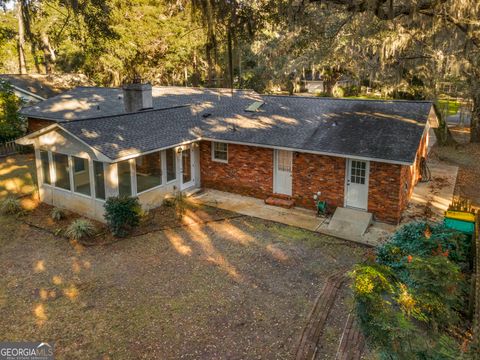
(73, 175)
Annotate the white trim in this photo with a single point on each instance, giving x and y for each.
(275, 172)
(38, 97)
(175, 146)
(213, 152)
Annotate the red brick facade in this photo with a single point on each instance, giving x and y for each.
(313, 173)
(249, 171)
(37, 124)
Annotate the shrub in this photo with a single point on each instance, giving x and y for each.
(11, 206)
(122, 214)
(180, 204)
(57, 214)
(409, 297)
(80, 229)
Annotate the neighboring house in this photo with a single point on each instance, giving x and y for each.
(101, 142)
(33, 88)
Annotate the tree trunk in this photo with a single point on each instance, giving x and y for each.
(442, 133)
(475, 119)
(230, 57)
(48, 53)
(22, 66)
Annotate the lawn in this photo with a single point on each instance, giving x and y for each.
(16, 175)
(223, 287)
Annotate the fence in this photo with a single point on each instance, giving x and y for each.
(10, 148)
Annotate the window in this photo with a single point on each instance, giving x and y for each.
(124, 179)
(99, 177)
(45, 167)
(358, 172)
(220, 152)
(62, 171)
(149, 171)
(81, 176)
(171, 164)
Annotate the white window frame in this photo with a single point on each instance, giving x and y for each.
(163, 169)
(213, 152)
(72, 175)
(92, 176)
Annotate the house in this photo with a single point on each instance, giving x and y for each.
(92, 143)
(33, 88)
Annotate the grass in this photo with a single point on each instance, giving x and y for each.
(16, 175)
(452, 106)
(233, 288)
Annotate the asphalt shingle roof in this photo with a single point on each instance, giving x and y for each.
(383, 130)
(90, 102)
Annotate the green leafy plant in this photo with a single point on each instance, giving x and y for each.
(11, 206)
(409, 297)
(122, 214)
(180, 205)
(80, 229)
(57, 214)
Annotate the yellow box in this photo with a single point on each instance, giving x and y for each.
(460, 215)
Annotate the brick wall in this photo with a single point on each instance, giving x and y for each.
(249, 170)
(37, 124)
(384, 191)
(313, 173)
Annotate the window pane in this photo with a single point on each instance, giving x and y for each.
(81, 176)
(45, 167)
(149, 171)
(124, 179)
(99, 176)
(62, 177)
(220, 151)
(171, 164)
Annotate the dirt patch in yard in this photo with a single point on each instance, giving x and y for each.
(233, 288)
(466, 156)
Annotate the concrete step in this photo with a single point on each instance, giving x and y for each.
(350, 222)
(285, 202)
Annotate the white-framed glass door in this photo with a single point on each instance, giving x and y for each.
(187, 167)
(283, 172)
(357, 184)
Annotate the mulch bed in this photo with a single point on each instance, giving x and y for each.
(161, 218)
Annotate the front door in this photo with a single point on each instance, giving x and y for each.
(188, 179)
(357, 184)
(283, 172)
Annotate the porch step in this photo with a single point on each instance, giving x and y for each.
(284, 201)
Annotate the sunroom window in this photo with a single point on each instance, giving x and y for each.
(81, 176)
(149, 171)
(220, 151)
(45, 167)
(124, 179)
(171, 164)
(62, 171)
(99, 176)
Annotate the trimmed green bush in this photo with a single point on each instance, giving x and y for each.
(122, 213)
(11, 206)
(57, 214)
(80, 229)
(412, 295)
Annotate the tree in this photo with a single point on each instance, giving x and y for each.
(451, 25)
(12, 125)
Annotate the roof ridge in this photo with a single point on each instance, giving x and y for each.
(345, 99)
(124, 114)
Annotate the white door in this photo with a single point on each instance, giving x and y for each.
(187, 167)
(283, 172)
(357, 184)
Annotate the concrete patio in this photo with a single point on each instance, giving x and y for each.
(429, 202)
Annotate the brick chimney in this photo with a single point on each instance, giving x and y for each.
(137, 96)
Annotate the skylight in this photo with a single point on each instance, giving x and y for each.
(254, 106)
